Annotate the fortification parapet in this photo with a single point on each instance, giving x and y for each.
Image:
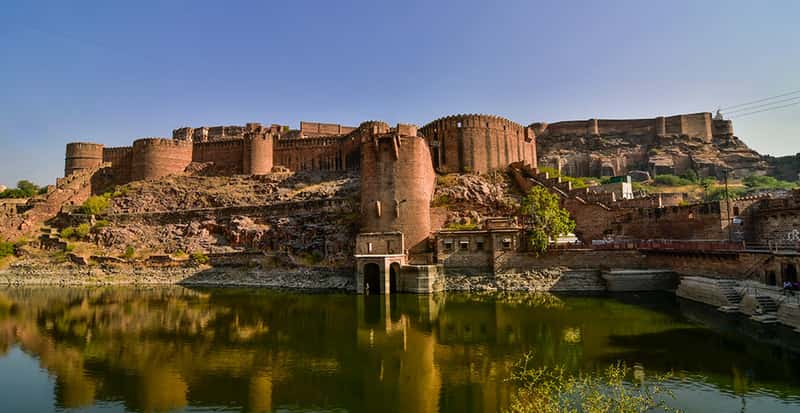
(157, 157)
(478, 143)
(82, 156)
(397, 182)
(121, 159)
(404, 129)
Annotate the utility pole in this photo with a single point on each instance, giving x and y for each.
(728, 206)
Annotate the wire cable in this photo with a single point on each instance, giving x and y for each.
(749, 108)
(761, 100)
(765, 110)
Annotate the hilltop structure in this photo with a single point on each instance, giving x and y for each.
(661, 145)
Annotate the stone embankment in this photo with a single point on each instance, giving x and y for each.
(306, 278)
(540, 280)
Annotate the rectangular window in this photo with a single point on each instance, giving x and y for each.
(448, 245)
(479, 244)
(463, 245)
(369, 247)
(506, 243)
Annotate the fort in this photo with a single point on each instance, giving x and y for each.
(424, 209)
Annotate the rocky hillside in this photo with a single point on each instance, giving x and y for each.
(608, 155)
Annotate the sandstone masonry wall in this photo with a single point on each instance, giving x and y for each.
(478, 143)
(82, 156)
(157, 157)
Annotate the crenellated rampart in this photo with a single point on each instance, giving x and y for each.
(478, 143)
(156, 157)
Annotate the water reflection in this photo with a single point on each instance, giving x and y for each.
(167, 348)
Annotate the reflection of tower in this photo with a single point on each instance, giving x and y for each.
(399, 354)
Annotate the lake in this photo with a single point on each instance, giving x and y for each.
(146, 349)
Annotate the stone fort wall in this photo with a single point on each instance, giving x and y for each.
(459, 143)
(478, 143)
(695, 125)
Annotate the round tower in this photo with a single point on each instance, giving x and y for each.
(81, 156)
(397, 182)
(156, 157)
(259, 141)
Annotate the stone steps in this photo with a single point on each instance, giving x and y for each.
(767, 304)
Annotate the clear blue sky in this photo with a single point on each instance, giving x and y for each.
(110, 71)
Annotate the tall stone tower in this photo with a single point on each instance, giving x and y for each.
(81, 156)
(397, 183)
(258, 157)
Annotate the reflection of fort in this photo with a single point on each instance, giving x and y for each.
(163, 349)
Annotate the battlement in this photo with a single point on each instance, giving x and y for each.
(323, 129)
(478, 143)
(694, 125)
(82, 156)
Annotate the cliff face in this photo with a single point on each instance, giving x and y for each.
(660, 146)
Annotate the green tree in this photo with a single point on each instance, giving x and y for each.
(544, 218)
(28, 187)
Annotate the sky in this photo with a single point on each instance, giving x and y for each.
(111, 72)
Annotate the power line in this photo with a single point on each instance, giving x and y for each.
(749, 108)
(766, 110)
(761, 100)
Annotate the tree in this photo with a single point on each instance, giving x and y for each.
(28, 187)
(544, 218)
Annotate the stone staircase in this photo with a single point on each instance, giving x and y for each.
(768, 310)
(728, 290)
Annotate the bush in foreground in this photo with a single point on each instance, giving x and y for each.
(553, 390)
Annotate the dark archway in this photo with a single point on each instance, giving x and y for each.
(394, 277)
(771, 279)
(790, 273)
(372, 278)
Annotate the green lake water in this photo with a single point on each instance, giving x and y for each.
(173, 348)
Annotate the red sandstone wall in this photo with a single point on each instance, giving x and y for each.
(227, 155)
(121, 163)
(81, 156)
(478, 143)
(154, 157)
(321, 129)
(397, 181)
(320, 153)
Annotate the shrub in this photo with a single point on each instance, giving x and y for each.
(130, 252)
(100, 224)
(440, 200)
(82, 230)
(6, 249)
(67, 233)
(96, 204)
(671, 180)
(554, 390)
(200, 258)
(767, 182)
(462, 227)
(69, 248)
(718, 193)
(691, 176)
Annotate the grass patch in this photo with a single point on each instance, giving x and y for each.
(462, 227)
